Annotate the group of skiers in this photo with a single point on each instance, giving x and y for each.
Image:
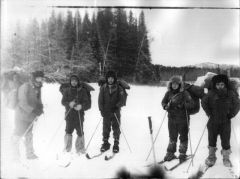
(221, 104)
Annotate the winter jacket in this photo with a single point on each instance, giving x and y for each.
(220, 108)
(179, 101)
(110, 100)
(79, 95)
(29, 102)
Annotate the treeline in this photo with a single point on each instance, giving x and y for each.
(163, 73)
(109, 39)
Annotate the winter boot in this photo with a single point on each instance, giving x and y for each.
(226, 160)
(67, 143)
(116, 146)
(182, 151)
(15, 142)
(171, 149)
(105, 146)
(169, 156)
(80, 145)
(211, 159)
(29, 147)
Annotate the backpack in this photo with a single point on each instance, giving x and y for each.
(12, 94)
(89, 88)
(196, 92)
(124, 86)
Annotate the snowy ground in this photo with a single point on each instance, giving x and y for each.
(143, 101)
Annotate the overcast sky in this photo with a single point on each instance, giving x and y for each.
(178, 37)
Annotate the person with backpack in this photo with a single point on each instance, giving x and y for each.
(221, 104)
(177, 101)
(29, 107)
(110, 101)
(75, 99)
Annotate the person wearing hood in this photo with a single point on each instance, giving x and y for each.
(76, 101)
(110, 101)
(29, 107)
(177, 101)
(221, 104)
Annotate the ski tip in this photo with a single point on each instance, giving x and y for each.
(106, 158)
(87, 156)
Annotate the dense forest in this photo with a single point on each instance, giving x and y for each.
(108, 39)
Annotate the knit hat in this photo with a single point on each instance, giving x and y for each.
(74, 76)
(36, 74)
(220, 78)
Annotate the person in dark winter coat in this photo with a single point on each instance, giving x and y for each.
(110, 101)
(29, 107)
(176, 101)
(76, 101)
(220, 104)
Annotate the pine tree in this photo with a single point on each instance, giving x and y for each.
(69, 36)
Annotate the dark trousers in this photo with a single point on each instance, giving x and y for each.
(222, 129)
(109, 121)
(176, 129)
(73, 122)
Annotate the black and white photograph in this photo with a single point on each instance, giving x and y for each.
(120, 89)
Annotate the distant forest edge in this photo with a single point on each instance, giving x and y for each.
(109, 39)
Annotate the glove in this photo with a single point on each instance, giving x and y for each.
(78, 107)
(72, 104)
(167, 106)
(37, 111)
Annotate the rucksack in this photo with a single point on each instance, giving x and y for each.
(89, 88)
(12, 94)
(196, 92)
(124, 86)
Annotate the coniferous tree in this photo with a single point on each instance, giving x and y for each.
(69, 35)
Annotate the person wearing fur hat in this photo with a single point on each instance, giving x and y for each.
(221, 104)
(76, 101)
(29, 107)
(110, 101)
(176, 101)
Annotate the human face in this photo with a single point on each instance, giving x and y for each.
(38, 81)
(220, 85)
(74, 82)
(110, 80)
(175, 86)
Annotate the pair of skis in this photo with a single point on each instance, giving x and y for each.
(100, 154)
(174, 166)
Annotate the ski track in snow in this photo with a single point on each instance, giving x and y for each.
(143, 101)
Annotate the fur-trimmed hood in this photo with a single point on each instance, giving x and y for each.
(176, 79)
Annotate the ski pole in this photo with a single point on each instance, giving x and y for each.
(29, 127)
(189, 136)
(156, 135)
(197, 147)
(55, 133)
(122, 132)
(93, 134)
(81, 128)
(151, 131)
